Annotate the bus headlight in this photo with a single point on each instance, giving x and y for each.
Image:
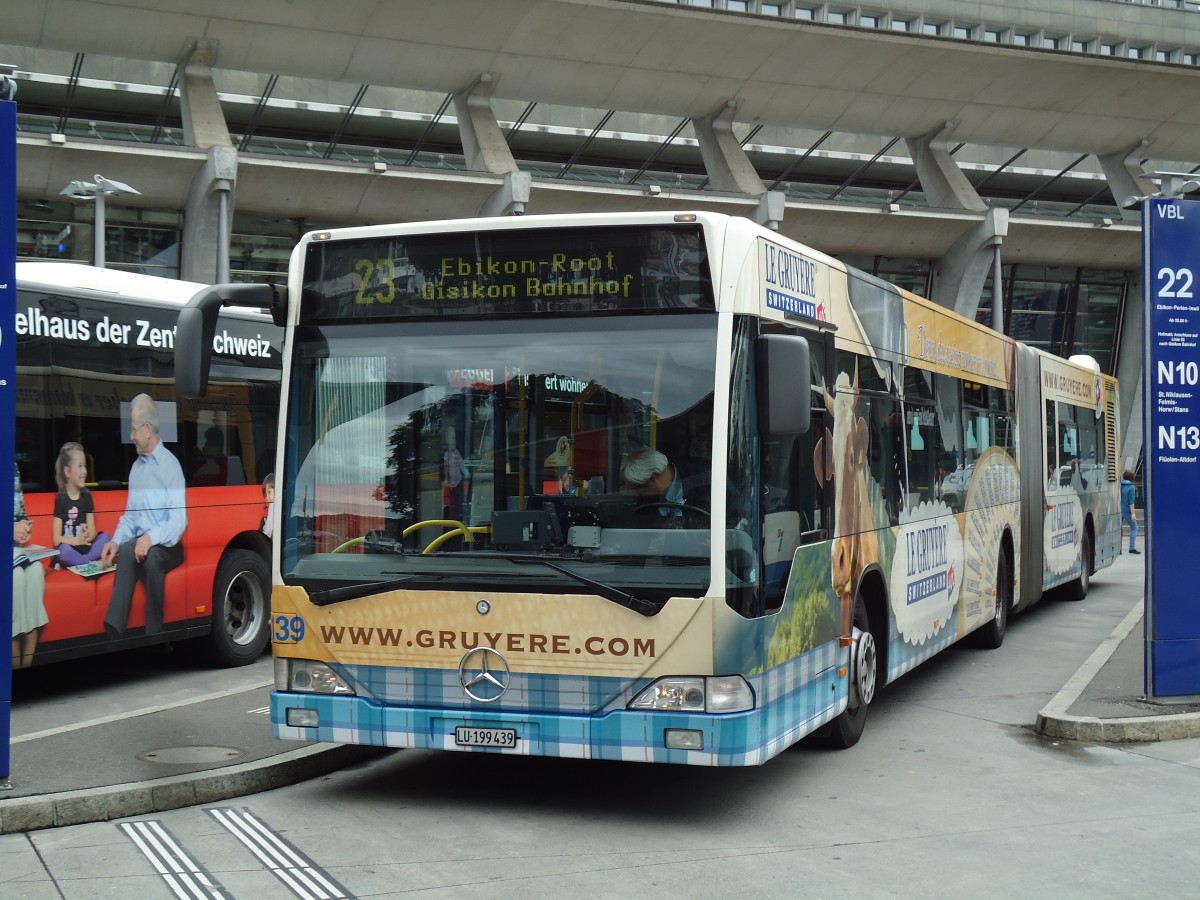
(719, 694)
(307, 676)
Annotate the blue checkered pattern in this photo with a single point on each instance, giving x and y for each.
(793, 699)
(903, 656)
(527, 692)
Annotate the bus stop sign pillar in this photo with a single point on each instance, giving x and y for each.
(1171, 397)
(8, 364)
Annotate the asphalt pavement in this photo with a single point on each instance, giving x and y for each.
(185, 754)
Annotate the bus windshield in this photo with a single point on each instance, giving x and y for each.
(470, 453)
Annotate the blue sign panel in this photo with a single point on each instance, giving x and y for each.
(1171, 260)
(8, 368)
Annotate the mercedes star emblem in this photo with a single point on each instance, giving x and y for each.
(483, 674)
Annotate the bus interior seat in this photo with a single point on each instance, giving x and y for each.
(590, 454)
(236, 473)
(483, 498)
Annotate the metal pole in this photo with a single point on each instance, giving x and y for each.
(997, 292)
(98, 228)
(222, 231)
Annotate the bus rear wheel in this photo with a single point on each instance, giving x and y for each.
(241, 601)
(991, 635)
(847, 728)
(1078, 589)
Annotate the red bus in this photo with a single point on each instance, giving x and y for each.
(89, 341)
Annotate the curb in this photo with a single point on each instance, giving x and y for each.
(20, 814)
(1056, 722)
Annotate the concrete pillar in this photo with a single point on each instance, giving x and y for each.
(510, 198)
(208, 216)
(959, 276)
(770, 209)
(483, 142)
(203, 122)
(728, 167)
(1128, 369)
(1125, 179)
(942, 181)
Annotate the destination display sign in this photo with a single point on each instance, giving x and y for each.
(534, 271)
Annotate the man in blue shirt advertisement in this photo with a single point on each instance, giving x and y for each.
(147, 543)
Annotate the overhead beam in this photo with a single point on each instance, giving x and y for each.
(903, 83)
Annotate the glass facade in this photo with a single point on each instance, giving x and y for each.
(137, 240)
(148, 241)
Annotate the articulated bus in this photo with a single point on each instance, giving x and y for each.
(659, 487)
(90, 340)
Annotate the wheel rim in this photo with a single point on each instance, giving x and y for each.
(864, 669)
(245, 606)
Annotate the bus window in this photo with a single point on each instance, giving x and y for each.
(920, 423)
(951, 470)
(885, 452)
(743, 524)
(1091, 451)
(1068, 445)
(1051, 441)
(977, 427)
(1000, 402)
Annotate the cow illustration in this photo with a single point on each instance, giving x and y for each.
(842, 458)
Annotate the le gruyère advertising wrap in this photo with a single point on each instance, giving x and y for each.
(1063, 528)
(940, 563)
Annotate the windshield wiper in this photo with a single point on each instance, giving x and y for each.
(354, 591)
(607, 591)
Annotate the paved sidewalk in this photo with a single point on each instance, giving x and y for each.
(1105, 700)
(59, 779)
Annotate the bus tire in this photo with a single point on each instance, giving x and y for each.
(845, 730)
(241, 607)
(1078, 589)
(991, 635)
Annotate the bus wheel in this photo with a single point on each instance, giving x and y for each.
(1078, 589)
(991, 635)
(240, 608)
(847, 728)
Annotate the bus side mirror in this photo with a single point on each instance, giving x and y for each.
(197, 325)
(193, 343)
(783, 376)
